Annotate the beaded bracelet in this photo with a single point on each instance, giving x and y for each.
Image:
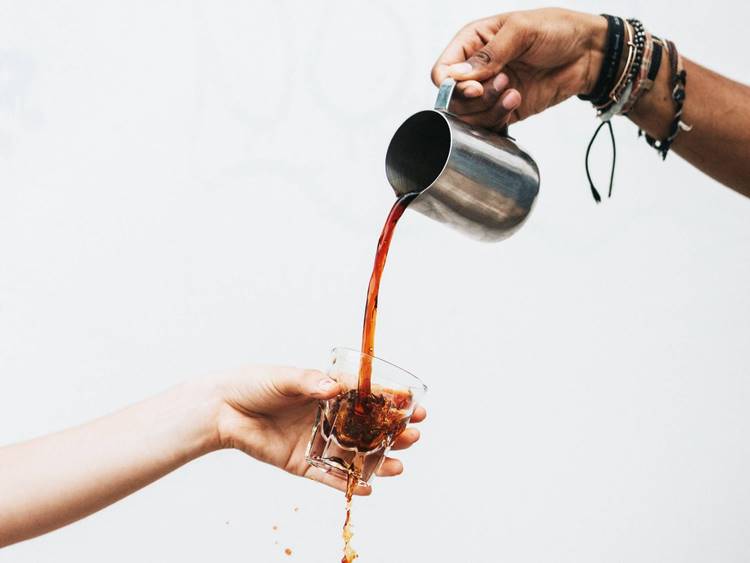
(640, 41)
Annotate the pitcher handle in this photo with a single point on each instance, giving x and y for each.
(444, 99)
(444, 95)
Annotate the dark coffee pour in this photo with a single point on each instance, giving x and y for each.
(371, 306)
(366, 418)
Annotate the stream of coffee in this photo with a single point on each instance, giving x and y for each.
(367, 408)
(349, 554)
(371, 305)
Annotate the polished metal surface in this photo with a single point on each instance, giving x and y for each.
(472, 179)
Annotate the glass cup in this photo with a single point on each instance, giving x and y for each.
(352, 434)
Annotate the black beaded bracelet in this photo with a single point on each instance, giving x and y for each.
(640, 42)
(612, 54)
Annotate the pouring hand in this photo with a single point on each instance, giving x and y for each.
(514, 65)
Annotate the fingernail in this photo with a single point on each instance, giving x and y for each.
(472, 91)
(460, 68)
(500, 82)
(326, 384)
(511, 100)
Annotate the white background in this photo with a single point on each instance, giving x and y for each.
(189, 186)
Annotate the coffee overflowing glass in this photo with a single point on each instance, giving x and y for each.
(353, 434)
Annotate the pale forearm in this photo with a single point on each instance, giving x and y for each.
(718, 109)
(54, 480)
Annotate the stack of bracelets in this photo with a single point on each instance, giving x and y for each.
(618, 87)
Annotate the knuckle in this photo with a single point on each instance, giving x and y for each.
(483, 56)
(511, 20)
(490, 97)
(516, 22)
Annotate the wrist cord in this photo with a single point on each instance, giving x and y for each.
(594, 191)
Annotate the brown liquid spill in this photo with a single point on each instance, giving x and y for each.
(371, 306)
(349, 554)
(366, 432)
(364, 419)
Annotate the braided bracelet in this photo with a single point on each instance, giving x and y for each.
(640, 83)
(655, 64)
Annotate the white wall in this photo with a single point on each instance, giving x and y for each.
(186, 187)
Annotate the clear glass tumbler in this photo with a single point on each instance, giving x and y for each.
(352, 434)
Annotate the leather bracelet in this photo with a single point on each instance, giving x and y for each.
(612, 54)
(655, 60)
(641, 84)
(678, 81)
(615, 93)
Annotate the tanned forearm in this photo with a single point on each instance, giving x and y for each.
(717, 108)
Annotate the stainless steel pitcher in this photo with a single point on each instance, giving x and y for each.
(472, 179)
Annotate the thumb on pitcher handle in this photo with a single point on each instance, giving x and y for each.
(445, 93)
